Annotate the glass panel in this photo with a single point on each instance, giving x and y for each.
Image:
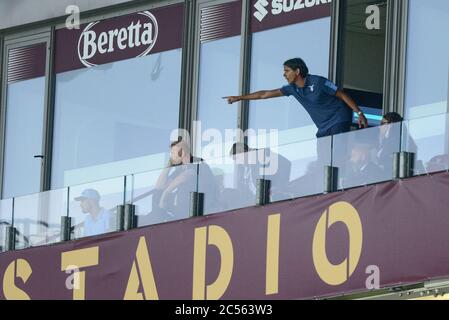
(269, 52)
(93, 207)
(366, 156)
(427, 58)
(164, 195)
(5, 220)
(37, 218)
(230, 183)
(116, 118)
(428, 139)
(300, 168)
(218, 58)
(24, 127)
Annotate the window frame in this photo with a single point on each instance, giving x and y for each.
(395, 51)
(17, 41)
(45, 32)
(243, 71)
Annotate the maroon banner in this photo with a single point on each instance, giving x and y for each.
(268, 14)
(119, 38)
(345, 242)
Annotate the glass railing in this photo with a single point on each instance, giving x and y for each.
(37, 218)
(366, 156)
(295, 170)
(5, 220)
(163, 195)
(428, 139)
(93, 207)
(230, 183)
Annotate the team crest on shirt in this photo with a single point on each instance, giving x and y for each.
(312, 88)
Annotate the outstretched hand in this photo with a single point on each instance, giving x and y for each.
(232, 99)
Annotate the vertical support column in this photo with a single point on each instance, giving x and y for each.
(120, 218)
(3, 82)
(330, 179)
(10, 239)
(263, 190)
(406, 165)
(130, 217)
(395, 56)
(403, 165)
(187, 71)
(396, 166)
(336, 42)
(50, 85)
(245, 67)
(66, 228)
(196, 204)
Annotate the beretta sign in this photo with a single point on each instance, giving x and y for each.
(98, 40)
(119, 38)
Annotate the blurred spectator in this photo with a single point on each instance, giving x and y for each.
(171, 196)
(97, 218)
(272, 166)
(361, 170)
(438, 163)
(389, 140)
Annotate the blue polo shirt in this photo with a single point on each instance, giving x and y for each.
(319, 100)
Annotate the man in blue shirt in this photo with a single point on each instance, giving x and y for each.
(326, 105)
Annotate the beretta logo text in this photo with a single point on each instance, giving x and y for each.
(101, 39)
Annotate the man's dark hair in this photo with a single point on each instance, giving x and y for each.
(393, 117)
(174, 143)
(239, 147)
(298, 63)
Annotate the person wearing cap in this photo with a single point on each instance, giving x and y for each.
(325, 103)
(97, 218)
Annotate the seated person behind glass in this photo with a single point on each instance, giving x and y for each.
(438, 163)
(387, 141)
(246, 170)
(171, 197)
(250, 168)
(97, 218)
(361, 170)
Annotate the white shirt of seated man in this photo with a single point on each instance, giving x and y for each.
(97, 218)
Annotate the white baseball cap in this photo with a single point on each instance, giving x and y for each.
(88, 194)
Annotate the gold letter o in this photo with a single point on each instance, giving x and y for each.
(337, 274)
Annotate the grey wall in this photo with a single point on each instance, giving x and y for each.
(19, 12)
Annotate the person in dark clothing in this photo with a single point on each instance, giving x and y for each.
(389, 138)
